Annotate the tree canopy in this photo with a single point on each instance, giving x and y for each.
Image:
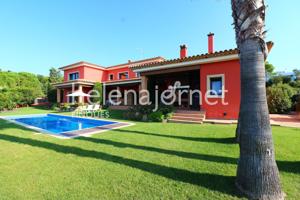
(18, 89)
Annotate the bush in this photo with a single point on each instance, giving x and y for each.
(145, 113)
(280, 98)
(18, 89)
(166, 109)
(99, 88)
(52, 95)
(7, 101)
(138, 113)
(157, 116)
(65, 107)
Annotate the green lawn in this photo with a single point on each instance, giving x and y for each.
(145, 161)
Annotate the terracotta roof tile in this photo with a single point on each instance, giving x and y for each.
(194, 57)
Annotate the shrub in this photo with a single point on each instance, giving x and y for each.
(7, 101)
(99, 88)
(279, 98)
(157, 116)
(52, 95)
(65, 107)
(145, 113)
(168, 116)
(166, 109)
(18, 89)
(138, 113)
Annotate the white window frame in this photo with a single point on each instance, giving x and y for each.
(110, 78)
(73, 73)
(208, 85)
(122, 73)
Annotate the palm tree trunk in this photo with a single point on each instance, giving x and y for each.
(257, 173)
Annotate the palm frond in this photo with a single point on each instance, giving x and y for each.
(249, 18)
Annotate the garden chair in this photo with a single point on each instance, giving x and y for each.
(93, 110)
(87, 110)
(79, 110)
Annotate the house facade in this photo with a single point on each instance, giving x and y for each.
(212, 71)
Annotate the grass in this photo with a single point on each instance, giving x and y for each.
(145, 161)
(27, 110)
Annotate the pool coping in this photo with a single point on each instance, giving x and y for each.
(87, 132)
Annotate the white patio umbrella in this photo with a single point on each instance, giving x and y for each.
(78, 94)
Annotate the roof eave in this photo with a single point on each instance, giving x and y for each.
(82, 63)
(189, 63)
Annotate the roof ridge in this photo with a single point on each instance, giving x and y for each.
(195, 57)
(137, 61)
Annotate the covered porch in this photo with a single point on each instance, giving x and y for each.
(128, 90)
(188, 79)
(67, 88)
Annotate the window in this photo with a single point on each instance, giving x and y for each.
(137, 74)
(215, 84)
(74, 76)
(123, 75)
(111, 77)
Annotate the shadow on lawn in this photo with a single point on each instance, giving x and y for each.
(287, 166)
(211, 158)
(195, 139)
(220, 183)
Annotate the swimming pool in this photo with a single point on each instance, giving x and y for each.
(65, 126)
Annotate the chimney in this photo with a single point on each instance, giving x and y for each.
(211, 42)
(183, 51)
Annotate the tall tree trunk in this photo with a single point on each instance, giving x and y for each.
(257, 173)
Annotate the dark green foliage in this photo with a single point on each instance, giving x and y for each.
(166, 109)
(52, 95)
(6, 102)
(55, 76)
(18, 89)
(146, 113)
(284, 98)
(45, 84)
(280, 79)
(297, 73)
(138, 113)
(99, 88)
(269, 69)
(157, 116)
(280, 98)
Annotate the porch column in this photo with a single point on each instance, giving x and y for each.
(58, 96)
(118, 98)
(80, 99)
(104, 94)
(144, 86)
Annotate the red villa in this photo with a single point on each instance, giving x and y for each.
(210, 71)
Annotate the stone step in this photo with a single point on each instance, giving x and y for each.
(198, 115)
(190, 111)
(185, 121)
(189, 118)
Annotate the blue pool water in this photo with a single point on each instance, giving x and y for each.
(58, 124)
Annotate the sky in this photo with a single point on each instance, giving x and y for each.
(36, 35)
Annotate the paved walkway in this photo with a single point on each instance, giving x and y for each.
(285, 120)
(276, 120)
